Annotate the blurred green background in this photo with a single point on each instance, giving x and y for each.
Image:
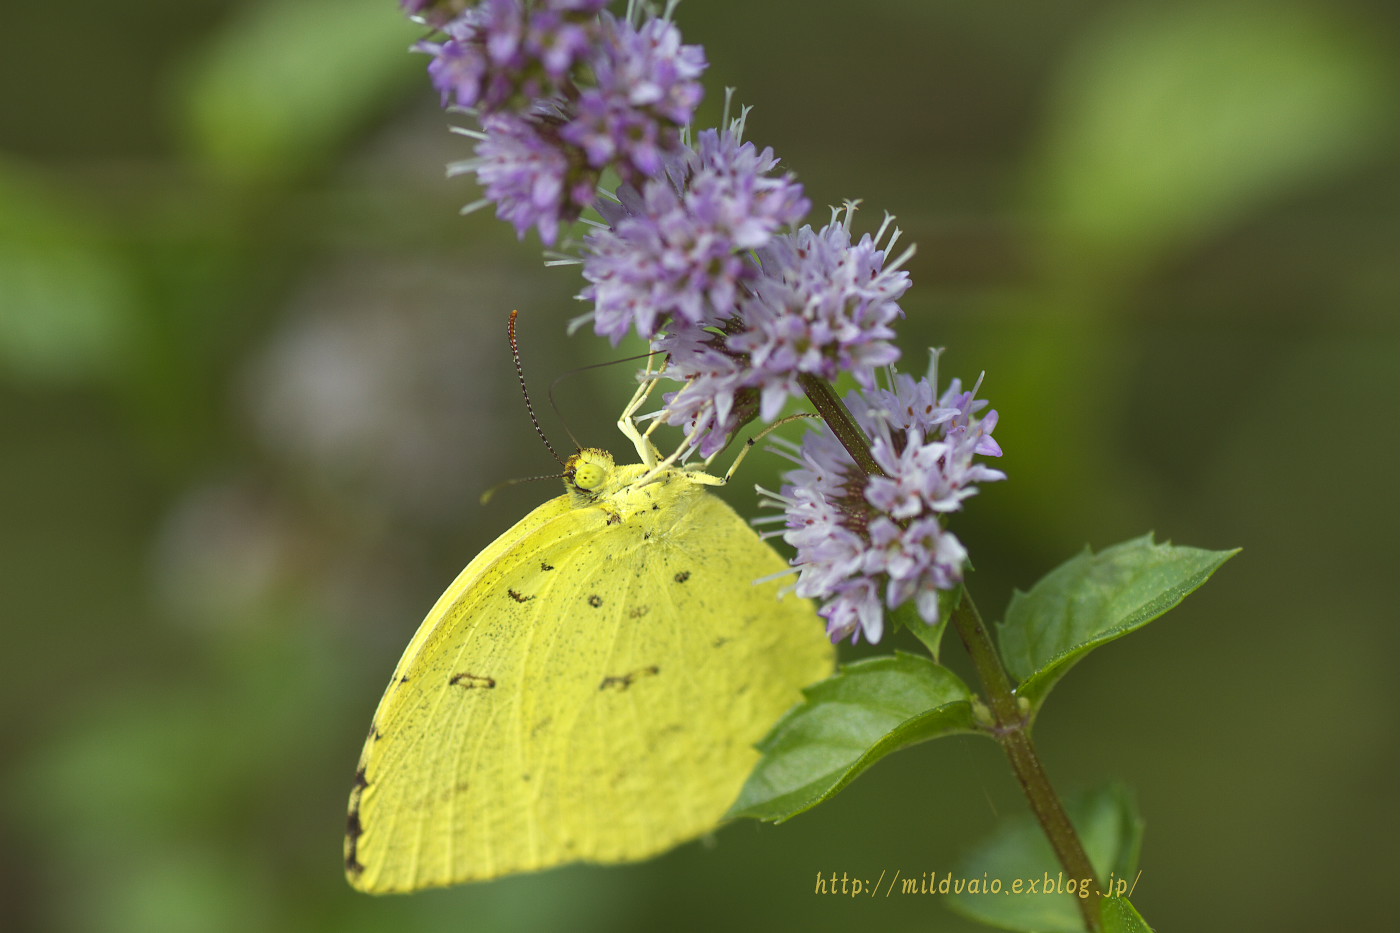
(253, 377)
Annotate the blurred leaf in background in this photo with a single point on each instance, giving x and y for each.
(68, 301)
(1169, 122)
(1166, 126)
(282, 85)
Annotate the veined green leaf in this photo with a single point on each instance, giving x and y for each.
(1093, 599)
(847, 723)
(1120, 916)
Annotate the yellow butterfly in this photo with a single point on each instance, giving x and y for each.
(588, 689)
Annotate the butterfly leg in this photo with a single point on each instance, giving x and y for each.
(749, 444)
(627, 422)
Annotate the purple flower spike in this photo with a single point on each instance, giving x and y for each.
(814, 304)
(866, 544)
(528, 175)
(676, 252)
(823, 306)
(501, 54)
(645, 90)
(615, 95)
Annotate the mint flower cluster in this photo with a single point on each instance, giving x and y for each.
(870, 542)
(703, 262)
(563, 94)
(700, 253)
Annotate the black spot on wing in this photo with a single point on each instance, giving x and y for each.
(595, 600)
(614, 519)
(546, 566)
(624, 681)
(472, 681)
(519, 597)
(683, 576)
(353, 831)
(721, 642)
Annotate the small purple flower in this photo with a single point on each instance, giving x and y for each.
(675, 255)
(868, 543)
(823, 306)
(528, 174)
(645, 89)
(615, 94)
(501, 54)
(815, 305)
(459, 67)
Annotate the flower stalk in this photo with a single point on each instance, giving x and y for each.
(1012, 730)
(838, 418)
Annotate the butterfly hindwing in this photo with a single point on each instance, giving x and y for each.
(589, 689)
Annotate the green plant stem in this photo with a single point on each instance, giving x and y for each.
(1012, 727)
(833, 411)
(1013, 732)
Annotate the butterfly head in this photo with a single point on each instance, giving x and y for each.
(586, 473)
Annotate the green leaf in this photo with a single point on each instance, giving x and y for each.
(845, 724)
(1120, 916)
(1018, 854)
(1093, 599)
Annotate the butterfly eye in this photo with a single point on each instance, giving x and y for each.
(589, 476)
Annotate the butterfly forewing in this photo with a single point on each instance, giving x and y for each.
(591, 693)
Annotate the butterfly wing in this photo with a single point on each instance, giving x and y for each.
(592, 693)
(504, 544)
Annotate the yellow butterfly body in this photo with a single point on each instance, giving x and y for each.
(588, 689)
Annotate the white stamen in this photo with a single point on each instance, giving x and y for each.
(776, 576)
(903, 257)
(773, 496)
(889, 218)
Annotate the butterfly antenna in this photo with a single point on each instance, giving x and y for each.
(490, 493)
(529, 406)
